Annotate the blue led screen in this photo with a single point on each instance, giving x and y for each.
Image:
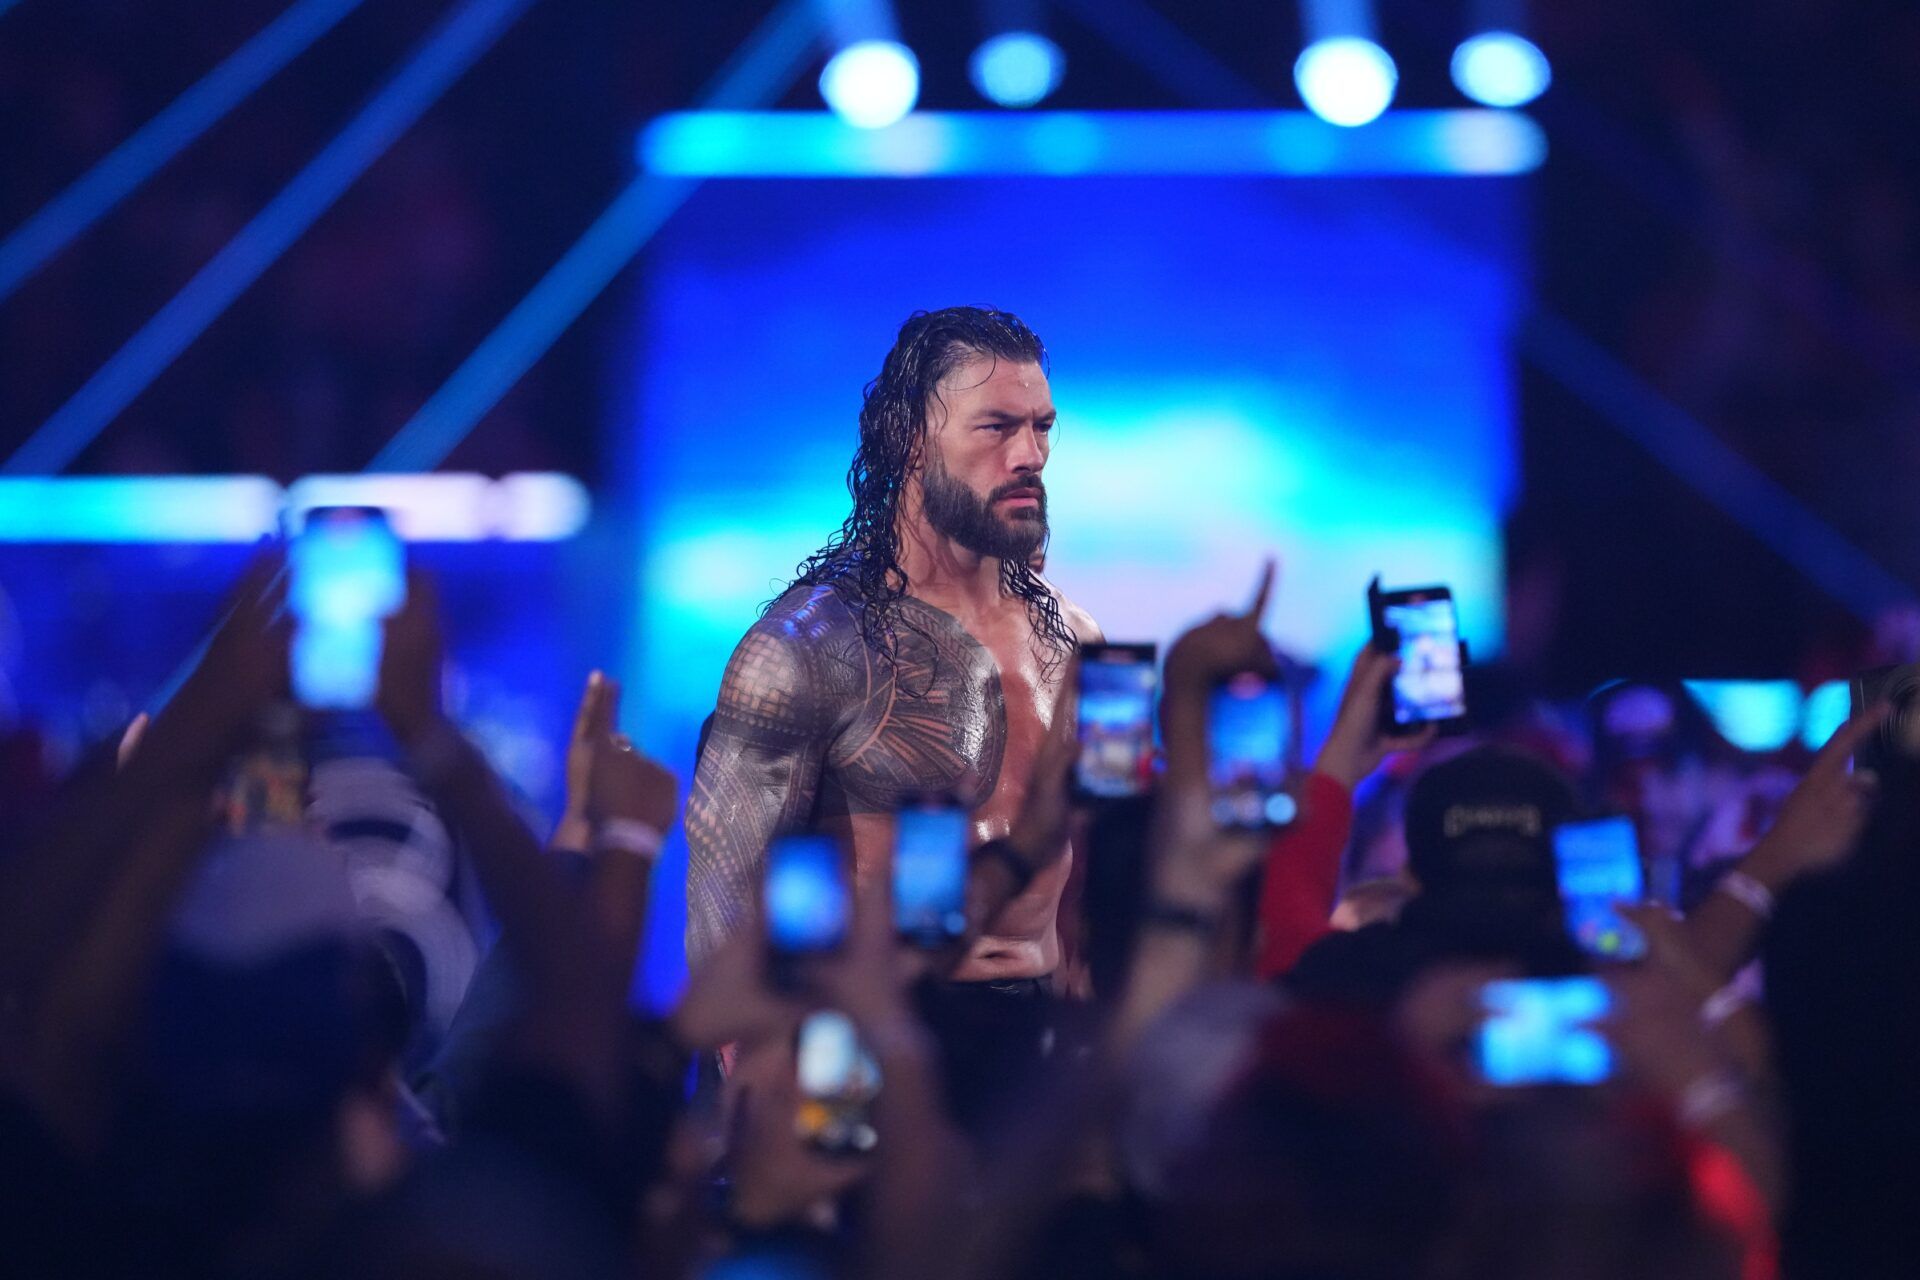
(1317, 368)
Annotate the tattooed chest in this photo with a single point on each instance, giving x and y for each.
(933, 723)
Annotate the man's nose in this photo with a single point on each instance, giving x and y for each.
(1029, 452)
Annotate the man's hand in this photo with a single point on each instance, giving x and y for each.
(410, 664)
(1195, 863)
(1224, 644)
(243, 670)
(606, 777)
(728, 999)
(1356, 745)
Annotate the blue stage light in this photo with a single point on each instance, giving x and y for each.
(935, 144)
(1753, 715)
(1346, 80)
(1827, 708)
(871, 83)
(1017, 68)
(1501, 69)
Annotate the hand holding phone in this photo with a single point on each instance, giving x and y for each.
(1249, 723)
(1115, 721)
(1420, 626)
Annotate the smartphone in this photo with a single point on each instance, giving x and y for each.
(1248, 722)
(1598, 864)
(1420, 626)
(1116, 721)
(930, 873)
(808, 904)
(1540, 1031)
(348, 573)
(838, 1082)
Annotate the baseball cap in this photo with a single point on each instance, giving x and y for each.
(1485, 820)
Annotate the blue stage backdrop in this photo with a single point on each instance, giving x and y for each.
(1313, 367)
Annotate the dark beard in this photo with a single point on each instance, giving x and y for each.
(956, 512)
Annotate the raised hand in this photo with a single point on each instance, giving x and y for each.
(243, 671)
(1820, 823)
(1224, 644)
(410, 663)
(1356, 745)
(606, 778)
(1195, 862)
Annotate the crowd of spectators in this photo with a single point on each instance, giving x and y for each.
(222, 1057)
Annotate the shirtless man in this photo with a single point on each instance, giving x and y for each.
(916, 652)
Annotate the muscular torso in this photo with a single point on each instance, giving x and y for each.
(813, 730)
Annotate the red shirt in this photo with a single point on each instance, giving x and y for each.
(1301, 879)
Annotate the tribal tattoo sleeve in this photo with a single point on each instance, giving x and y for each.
(759, 772)
(811, 727)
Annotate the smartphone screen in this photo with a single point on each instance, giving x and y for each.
(348, 574)
(808, 904)
(1116, 721)
(930, 874)
(1540, 1031)
(1248, 719)
(1599, 868)
(1430, 685)
(838, 1081)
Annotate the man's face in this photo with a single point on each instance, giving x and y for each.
(988, 434)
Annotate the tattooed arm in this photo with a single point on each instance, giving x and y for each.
(759, 771)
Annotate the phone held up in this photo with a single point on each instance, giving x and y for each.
(808, 904)
(838, 1081)
(1420, 626)
(930, 872)
(1117, 685)
(1249, 724)
(1598, 865)
(1541, 1031)
(347, 575)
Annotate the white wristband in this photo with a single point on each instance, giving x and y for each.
(629, 835)
(1748, 892)
(1723, 1004)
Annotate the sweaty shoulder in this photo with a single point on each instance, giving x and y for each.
(789, 675)
(1078, 620)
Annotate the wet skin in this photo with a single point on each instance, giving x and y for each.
(815, 731)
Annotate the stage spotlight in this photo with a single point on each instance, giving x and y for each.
(1346, 80)
(1500, 69)
(871, 83)
(1016, 68)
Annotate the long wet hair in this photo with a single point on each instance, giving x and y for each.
(862, 560)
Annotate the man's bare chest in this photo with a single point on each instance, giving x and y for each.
(943, 717)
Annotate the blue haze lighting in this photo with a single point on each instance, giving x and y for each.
(1826, 709)
(768, 60)
(871, 83)
(1327, 366)
(131, 163)
(1753, 715)
(1017, 68)
(1501, 69)
(443, 506)
(439, 60)
(1346, 80)
(792, 144)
